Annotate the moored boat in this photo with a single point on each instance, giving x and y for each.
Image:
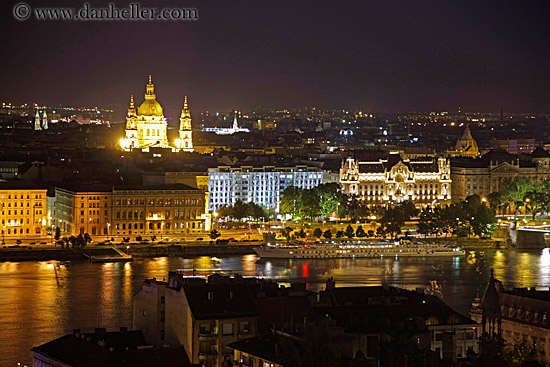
(357, 250)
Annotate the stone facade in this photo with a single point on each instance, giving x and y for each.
(381, 178)
(484, 175)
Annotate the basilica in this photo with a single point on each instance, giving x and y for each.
(147, 127)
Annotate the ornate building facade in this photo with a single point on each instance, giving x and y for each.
(147, 128)
(381, 178)
(484, 175)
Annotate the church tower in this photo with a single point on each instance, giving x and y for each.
(37, 125)
(466, 146)
(131, 140)
(185, 141)
(45, 121)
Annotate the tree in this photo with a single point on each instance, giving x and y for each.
(88, 239)
(214, 234)
(425, 221)
(239, 210)
(520, 353)
(291, 201)
(339, 234)
(287, 232)
(349, 232)
(356, 209)
(72, 240)
(514, 191)
(57, 234)
(393, 218)
(80, 241)
(330, 199)
(408, 209)
(310, 204)
(495, 200)
(317, 232)
(302, 233)
(360, 232)
(327, 234)
(479, 216)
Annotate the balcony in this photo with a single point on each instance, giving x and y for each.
(207, 336)
(205, 355)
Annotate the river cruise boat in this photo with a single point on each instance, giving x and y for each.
(357, 250)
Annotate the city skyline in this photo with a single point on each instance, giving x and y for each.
(380, 57)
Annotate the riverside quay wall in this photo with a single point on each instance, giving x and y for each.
(44, 254)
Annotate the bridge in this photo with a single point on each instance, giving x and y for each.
(529, 237)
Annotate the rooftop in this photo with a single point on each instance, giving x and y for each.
(108, 349)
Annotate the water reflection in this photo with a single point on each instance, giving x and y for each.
(44, 300)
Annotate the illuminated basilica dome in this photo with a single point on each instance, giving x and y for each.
(148, 127)
(150, 107)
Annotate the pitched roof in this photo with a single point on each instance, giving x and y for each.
(84, 351)
(220, 301)
(19, 185)
(540, 153)
(265, 346)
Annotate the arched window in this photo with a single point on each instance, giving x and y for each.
(432, 321)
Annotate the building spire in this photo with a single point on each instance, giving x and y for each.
(44, 121)
(132, 108)
(185, 104)
(150, 94)
(37, 125)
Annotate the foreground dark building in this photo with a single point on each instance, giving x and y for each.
(103, 349)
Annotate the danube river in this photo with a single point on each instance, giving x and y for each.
(40, 301)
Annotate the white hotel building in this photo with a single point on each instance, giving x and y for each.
(261, 185)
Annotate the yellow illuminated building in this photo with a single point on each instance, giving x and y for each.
(85, 210)
(381, 178)
(185, 141)
(162, 210)
(466, 146)
(147, 127)
(23, 210)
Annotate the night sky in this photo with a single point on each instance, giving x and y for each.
(376, 55)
